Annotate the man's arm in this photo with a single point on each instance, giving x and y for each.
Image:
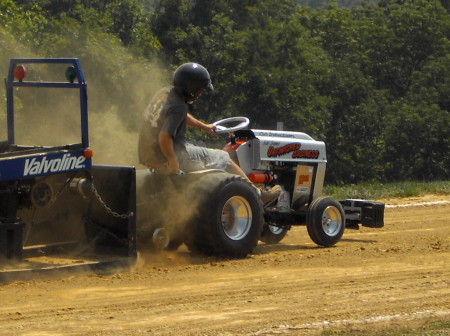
(193, 122)
(166, 144)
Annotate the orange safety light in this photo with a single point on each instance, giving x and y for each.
(88, 153)
(20, 72)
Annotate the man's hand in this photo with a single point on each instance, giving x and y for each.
(210, 129)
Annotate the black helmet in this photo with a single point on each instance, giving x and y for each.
(191, 79)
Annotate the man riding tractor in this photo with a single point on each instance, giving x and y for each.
(162, 140)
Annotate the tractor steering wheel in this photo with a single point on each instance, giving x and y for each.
(220, 129)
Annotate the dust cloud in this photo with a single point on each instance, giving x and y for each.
(113, 143)
(115, 123)
(163, 202)
(119, 90)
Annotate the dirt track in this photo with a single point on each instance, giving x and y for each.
(373, 276)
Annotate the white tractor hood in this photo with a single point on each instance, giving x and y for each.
(288, 146)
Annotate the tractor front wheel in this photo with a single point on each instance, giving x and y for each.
(325, 221)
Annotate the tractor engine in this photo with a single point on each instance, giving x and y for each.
(293, 160)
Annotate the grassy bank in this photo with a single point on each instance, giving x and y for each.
(435, 327)
(385, 190)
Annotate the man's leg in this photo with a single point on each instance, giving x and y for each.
(266, 195)
(214, 158)
(235, 169)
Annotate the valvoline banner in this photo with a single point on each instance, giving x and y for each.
(18, 167)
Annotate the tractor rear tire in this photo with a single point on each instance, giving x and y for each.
(231, 220)
(325, 221)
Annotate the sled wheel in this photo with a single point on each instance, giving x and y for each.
(272, 234)
(160, 239)
(325, 221)
(232, 221)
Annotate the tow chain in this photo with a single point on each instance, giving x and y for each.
(107, 208)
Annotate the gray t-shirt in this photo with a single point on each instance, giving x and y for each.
(167, 111)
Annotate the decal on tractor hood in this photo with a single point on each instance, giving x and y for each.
(293, 148)
(36, 166)
(276, 134)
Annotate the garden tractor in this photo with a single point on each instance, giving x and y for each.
(217, 213)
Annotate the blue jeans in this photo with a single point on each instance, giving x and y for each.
(204, 158)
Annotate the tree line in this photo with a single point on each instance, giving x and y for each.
(372, 81)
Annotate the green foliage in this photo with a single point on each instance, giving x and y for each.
(426, 327)
(374, 191)
(371, 81)
(124, 19)
(26, 25)
(417, 142)
(341, 3)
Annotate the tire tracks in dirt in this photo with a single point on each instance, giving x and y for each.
(373, 276)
